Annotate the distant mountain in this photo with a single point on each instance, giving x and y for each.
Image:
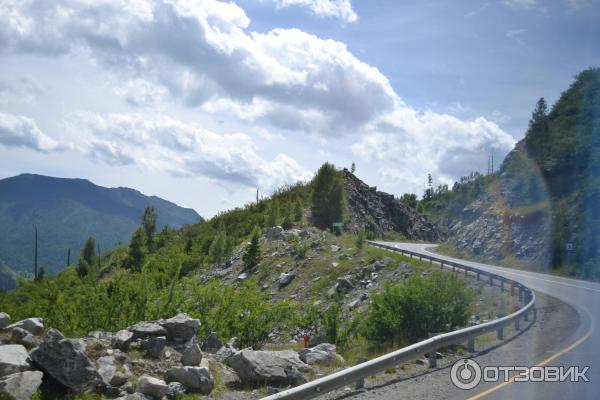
(66, 212)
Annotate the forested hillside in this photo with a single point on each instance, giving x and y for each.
(66, 212)
(543, 206)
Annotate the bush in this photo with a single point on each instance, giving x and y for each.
(423, 305)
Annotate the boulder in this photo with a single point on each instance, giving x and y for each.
(20, 385)
(322, 354)
(274, 233)
(34, 326)
(4, 320)
(344, 283)
(270, 367)
(121, 340)
(180, 328)
(175, 390)
(212, 343)
(192, 355)
(154, 346)
(21, 336)
(286, 278)
(144, 330)
(153, 387)
(195, 379)
(65, 360)
(13, 359)
(335, 248)
(107, 368)
(101, 335)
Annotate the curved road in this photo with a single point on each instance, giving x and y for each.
(580, 347)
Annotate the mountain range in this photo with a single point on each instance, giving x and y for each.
(66, 212)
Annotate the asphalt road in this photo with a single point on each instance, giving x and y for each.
(566, 333)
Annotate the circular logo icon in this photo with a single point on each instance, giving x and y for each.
(465, 374)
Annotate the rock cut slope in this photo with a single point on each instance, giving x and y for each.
(381, 212)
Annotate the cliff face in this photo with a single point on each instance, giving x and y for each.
(381, 212)
(505, 222)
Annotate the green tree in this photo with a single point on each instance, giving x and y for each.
(328, 197)
(253, 253)
(273, 216)
(137, 249)
(149, 224)
(288, 217)
(216, 251)
(87, 258)
(298, 211)
(410, 199)
(360, 238)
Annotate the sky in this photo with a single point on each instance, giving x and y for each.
(201, 102)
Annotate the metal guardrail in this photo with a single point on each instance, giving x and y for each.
(348, 376)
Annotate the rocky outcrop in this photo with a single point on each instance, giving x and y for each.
(20, 386)
(153, 387)
(271, 367)
(503, 222)
(381, 212)
(4, 320)
(180, 328)
(35, 326)
(195, 379)
(13, 359)
(323, 354)
(65, 360)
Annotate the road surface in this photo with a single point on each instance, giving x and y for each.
(566, 334)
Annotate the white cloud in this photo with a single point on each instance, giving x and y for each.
(20, 131)
(158, 143)
(410, 144)
(521, 3)
(202, 50)
(203, 54)
(341, 9)
(141, 92)
(23, 90)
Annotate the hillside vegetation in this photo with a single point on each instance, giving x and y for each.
(66, 212)
(541, 208)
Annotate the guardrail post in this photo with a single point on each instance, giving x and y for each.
(526, 316)
(453, 268)
(502, 285)
(466, 270)
(441, 265)
(360, 383)
(431, 356)
(491, 280)
(520, 294)
(500, 330)
(512, 289)
(471, 344)
(517, 324)
(430, 261)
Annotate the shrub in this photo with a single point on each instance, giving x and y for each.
(423, 305)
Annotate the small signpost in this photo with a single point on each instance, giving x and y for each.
(337, 227)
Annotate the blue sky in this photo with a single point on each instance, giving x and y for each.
(201, 101)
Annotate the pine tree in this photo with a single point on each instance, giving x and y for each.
(273, 217)
(252, 256)
(298, 211)
(216, 250)
(137, 249)
(149, 223)
(328, 197)
(87, 258)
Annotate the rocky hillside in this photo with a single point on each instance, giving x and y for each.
(177, 356)
(381, 212)
(541, 207)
